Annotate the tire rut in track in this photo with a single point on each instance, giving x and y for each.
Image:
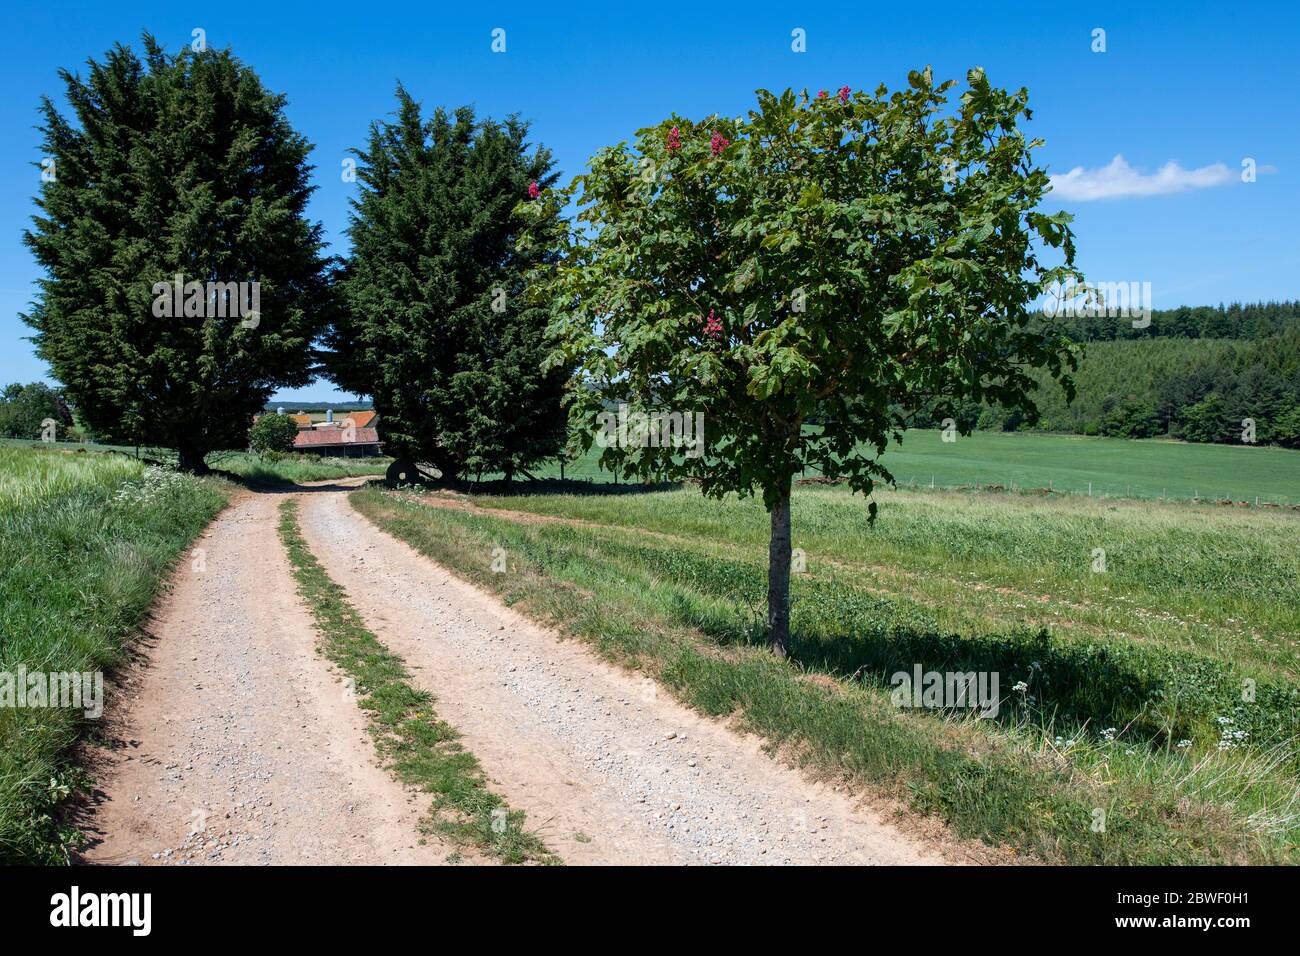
(232, 740)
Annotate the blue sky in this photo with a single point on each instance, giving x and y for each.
(1202, 86)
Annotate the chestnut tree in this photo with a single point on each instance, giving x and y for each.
(804, 276)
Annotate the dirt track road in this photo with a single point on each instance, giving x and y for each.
(236, 714)
(236, 743)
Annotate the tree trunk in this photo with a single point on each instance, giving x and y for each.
(778, 578)
(191, 460)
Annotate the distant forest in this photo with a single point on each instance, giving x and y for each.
(1195, 373)
(1250, 321)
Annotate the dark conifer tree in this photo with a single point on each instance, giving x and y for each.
(435, 325)
(175, 165)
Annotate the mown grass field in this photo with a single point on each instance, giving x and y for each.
(1115, 467)
(1160, 707)
(85, 541)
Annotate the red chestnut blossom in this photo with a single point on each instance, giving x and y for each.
(713, 326)
(718, 142)
(534, 190)
(674, 139)
(822, 95)
(844, 94)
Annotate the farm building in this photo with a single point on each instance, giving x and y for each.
(341, 433)
(338, 440)
(361, 418)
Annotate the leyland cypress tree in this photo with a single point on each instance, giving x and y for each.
(183, 282)
(434, 324)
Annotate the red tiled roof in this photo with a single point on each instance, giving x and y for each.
(316, 437)
(360, 419)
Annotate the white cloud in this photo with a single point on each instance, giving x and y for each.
(1118, 179)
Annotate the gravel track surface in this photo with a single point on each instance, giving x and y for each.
(232, 740)
(607, 766)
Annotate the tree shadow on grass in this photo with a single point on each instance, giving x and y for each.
(851, 633)
(1147, 694)
(269, 480)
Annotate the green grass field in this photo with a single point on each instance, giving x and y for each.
(1156, 643)
(293, 469)
(1134, 702)
(1115, 467)
(244, 466)
(85, 541)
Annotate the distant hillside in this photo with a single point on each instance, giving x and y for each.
(1195, 389)
(1244, 365)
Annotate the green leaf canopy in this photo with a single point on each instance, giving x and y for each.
(804, 275)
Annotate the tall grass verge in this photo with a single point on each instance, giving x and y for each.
(86, 541)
